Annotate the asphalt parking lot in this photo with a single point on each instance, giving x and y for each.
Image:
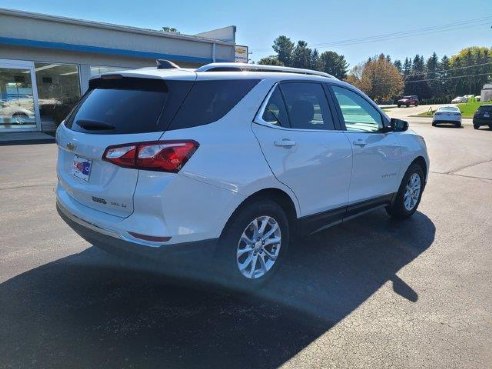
(369, 293)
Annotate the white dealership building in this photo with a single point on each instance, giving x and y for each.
(46, 61)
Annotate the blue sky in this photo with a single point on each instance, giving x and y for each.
(315, 21)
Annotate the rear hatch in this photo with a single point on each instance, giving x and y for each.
(484, 111)
(117, 109)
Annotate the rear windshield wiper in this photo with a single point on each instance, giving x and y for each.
(94, 125)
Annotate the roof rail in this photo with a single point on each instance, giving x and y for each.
(232, 67)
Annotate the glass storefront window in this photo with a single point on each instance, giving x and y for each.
(97, 69)
(16, 99)
(58, 90)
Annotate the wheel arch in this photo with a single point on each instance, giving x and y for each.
(419, 160)
(279, 196)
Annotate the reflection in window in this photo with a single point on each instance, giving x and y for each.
(98, 69)
(16, 99)
(58, 91)
(359, 115)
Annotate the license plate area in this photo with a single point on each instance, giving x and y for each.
(81, 168)
(486, 115)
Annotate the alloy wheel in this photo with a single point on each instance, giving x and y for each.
(412, 192)
(259, 247)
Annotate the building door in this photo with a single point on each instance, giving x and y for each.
(18, 97)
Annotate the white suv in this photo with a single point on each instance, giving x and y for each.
(234, 157)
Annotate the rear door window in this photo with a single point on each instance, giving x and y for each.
(307, 105)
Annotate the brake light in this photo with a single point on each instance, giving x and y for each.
(163, 156)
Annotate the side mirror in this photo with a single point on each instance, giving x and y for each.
(398, 125)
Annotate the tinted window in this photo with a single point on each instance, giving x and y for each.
(358, 113)
(449, 109)
(127, 105)
(209, 101)
(307, 105)
(275, 111)
(487, 108)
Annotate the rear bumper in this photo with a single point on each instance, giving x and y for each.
(112, 242)
(481, 122)
(446, 120)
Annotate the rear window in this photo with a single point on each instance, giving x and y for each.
(209, 101)
(136, 105)
(483, 108)
(450, 109)
(127, 105)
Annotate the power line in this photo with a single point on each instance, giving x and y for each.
(447, 70)
(403, 34)
(446, 78)
(409, 33)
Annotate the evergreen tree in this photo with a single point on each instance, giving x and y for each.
(398, 65)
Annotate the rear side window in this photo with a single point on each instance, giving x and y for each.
(127, 105)
(275, 111)
(209, 101)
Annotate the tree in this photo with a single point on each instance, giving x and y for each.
(380, 79)
(301, 56)
(332, 63)
(398, 65)
(415, 83)
(314, 64)
(270, 60)
(445, 82)
(431, 67)
(471, 69)
(170, 29)
(407, 67)
(355, 75)
(284, 47)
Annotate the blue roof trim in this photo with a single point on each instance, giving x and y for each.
(103, 50)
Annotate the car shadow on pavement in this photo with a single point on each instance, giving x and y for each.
(90, 311)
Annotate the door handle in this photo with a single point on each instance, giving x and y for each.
(285, 143)
(360, 143)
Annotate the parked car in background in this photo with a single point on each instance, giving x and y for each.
(447, 114)
(459, 100)
(408, 100)
(483, 117)
(478, 98)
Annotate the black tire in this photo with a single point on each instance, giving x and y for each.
(458, 125)
(399, 105)
(433, 124)
(230, 239)
(490, 126)
(397, 209)
(476, 126)
(408, 105)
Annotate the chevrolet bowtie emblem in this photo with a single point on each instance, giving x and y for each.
(71, 146)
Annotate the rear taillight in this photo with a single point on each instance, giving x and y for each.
(164, 156)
